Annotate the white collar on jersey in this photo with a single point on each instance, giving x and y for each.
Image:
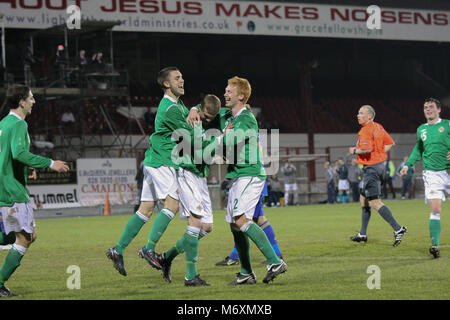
(439, 121)
(240, 111)
(15, 114)
(170, 98)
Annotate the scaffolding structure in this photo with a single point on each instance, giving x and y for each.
(79, 141)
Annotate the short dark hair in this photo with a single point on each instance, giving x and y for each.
(436, 101)
(15, 93)
(163, 75)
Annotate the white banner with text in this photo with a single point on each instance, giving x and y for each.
(114, 176)
(234, 17)
(54, 196)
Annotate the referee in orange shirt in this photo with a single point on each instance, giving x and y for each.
(373, 144)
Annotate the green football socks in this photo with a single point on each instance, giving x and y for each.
(159, 226)
(191, 248)
(257, 235)
(12, 261)
(243, 250)
(173, 252)
(132, 228)
(435, 228)
(187, 243)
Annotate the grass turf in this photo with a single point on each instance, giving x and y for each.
(322, 262)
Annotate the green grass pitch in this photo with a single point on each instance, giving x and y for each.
(322, 262)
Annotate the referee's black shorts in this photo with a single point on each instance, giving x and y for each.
(373, 178)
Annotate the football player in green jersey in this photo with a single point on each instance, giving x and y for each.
(15, 160)
(159, 182)
(432, 146)
(248, 176)
(193, 190)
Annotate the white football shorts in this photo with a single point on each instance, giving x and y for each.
(194, 196)
(436, 182)
(243, 197)
(18, 217)
(343, 184)
(290, 187)
(159, 183)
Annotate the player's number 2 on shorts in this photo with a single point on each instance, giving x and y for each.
(235, 204)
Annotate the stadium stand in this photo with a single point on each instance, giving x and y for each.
(331, 115)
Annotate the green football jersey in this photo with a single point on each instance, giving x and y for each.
(432, 145)
(171, 115)
(204, 143)
(242, 144)
(15, 159)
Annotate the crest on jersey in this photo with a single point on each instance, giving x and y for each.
(441, 129)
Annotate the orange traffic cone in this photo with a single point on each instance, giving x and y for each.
(106, 208)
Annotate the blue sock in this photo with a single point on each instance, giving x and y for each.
(268, 230)
(234, 255)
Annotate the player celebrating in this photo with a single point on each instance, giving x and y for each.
(159, 173)
(432, 145)
(261, 220)
(248, 176)
(193, 193)
(15, 159)
(373, 144)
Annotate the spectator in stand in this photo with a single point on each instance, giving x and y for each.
(407, 179)
(390, 172)
(274, 188)
(97, 62)
(82, 61)
(354, 176)
(61, 63)
(335, 176)
(343, 185)
(329, 178)
(290, 182)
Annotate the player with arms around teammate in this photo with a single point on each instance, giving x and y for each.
(15, 159)
(433, 146)
(193, 190)
(159, 173)
(248, 176)
(373, 144)
(258, 216)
